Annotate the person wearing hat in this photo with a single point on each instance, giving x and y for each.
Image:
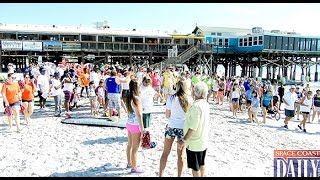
(10, 68)
(289, 99)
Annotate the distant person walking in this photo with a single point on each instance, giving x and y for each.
(289, 99)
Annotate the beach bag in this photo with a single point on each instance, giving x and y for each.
(8, 111)
(22, 108)
(146, 141)
(22, 85)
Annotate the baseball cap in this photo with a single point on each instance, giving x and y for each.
(292, 87)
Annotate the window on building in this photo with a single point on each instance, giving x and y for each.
(25, 36)
(226, 42)
(255, 40)
(219, 34)
(272, 42)
(136, 40)
(49, 37)
(260, 40)
(279, 42)
(285, 43)
(213, 33)
(121, 39)
(214, 41)
(9, 36)
(245, 41)
(240, 42)
(104, 38)
(266, 42)
(313, 45)
(291, 43)
(220, 42)
(88, 38)
(250, 41)
(69, 37)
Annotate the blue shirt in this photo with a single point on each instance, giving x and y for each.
(249, 94)
(112, 86)
(246, 85)
(267, 100)
(255, 102)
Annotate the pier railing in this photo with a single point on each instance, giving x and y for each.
(130, 47)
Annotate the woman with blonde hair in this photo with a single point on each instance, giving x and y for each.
(27, 97)
(134, 125)
(176, 107)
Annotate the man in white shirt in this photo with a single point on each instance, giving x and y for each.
(289, 100)
(43, 87)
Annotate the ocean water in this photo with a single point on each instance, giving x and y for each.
(221, 69)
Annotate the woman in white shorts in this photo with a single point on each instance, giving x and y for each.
(305, 108)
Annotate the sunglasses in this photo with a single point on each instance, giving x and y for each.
(13, 77)
(27, 77)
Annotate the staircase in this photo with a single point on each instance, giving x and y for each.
(181, 58)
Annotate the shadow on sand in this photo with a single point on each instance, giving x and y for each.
(281, 128)
(108, 140)
(106, 170)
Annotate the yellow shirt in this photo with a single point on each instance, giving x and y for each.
(197, 119)
(168, 79)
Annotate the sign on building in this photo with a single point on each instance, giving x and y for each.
(31, 46)
(11, 45)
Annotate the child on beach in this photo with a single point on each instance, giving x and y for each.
(254, 107)
(243, 102)
(146, 95)
(100, 92)
(235, 96)
(75, 98)
(93, 99)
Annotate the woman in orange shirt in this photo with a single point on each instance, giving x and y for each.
(11, 95)
(27, 97)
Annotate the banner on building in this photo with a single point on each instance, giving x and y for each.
(11, 45)
(52, 46)
(31, 46)
(71, 46)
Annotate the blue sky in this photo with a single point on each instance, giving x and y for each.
(182, 17)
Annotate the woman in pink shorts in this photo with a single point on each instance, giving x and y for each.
(134, 125)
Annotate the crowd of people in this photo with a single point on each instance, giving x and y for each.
(185, 95)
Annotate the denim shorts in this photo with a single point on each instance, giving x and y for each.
(172, 133)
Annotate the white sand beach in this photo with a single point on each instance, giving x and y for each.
(236, 148)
